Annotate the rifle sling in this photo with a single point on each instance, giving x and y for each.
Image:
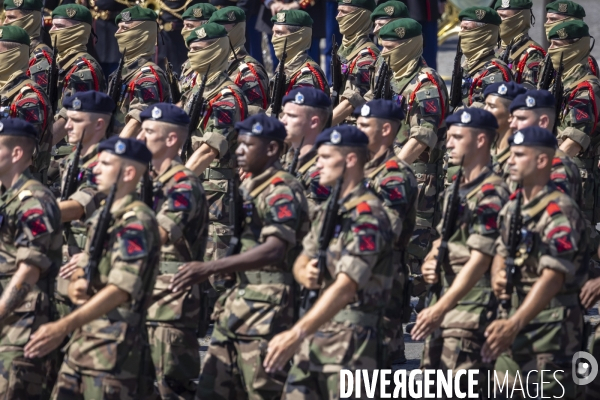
(171, 173)
(541, 205)
(350, 204)
(376, 171)
(302, 170)
(258, 190)
(490, 179)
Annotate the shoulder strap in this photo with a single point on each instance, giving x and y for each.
(541, 205)
(25, 186)
(89, 162)
(376, 171)
(490, 179)
(350, 204)
(171, 173)
(130, 207)
(307, 165)
(258, 190)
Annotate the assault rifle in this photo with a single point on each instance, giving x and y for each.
(147, 194)
(546, 74)
(558, 91)
(336, 73)
(53, 79)
(279, 84)
(457, 78)
(173, 81)
(115, 91)
(235, 215)
(294, 163)
(196, 113)
(514, 238)
(506, 55)
(72, 172)
(384, 70)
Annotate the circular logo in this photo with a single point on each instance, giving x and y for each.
(257, 128)
(365, 111)
(335, 137)
(299, 98)
(465, 117)
(156, 113)
(502, 90)
(76, 104)
(519, 138)
(120, 147)
(530, 101)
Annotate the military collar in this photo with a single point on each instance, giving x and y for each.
(376, 162)
(174, 162)
(250, 184)
(296, 63)
(549, 188)
(24, 177)
(14, 81)
(465, 188)
(502, 156)
(348, 53)
(358, 190)
(481, 64)
(93, 153)
(307, 157)
(124, 202)
(577, 73)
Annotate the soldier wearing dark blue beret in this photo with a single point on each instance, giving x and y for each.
(473, 118)
(533, 100)
(18, 127)
(274, 221)
(533, 136)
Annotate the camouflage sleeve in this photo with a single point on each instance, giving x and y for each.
(82, 77)
(147, 90)
(358, 82)
(33, 109)
(396, 191)
(310, 245)
(502, 238)
(530, 75)
(310, 79)
(219, 132)
(183, 202)
(483, 227)
(254, 86)
(578, 120)
(87, 192)
(425, 115)
(282, 213)
(38, 218)
(560, 238)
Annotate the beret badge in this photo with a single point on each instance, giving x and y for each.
(465, 117)
(480, 14)
(519, 138)
(156, 113)
(257, 128)
(120, 147)
(335, 137)
(76, 104)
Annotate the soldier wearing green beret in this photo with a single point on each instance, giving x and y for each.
(387, 12)
(525, 54)
(27, 14)
(579, 116)
(78, 71)
(144, 82)
(295, 26)
(193, 17)
(215, 140)
(479, 30)
(357, 56)
(563, 11)
(250, 75)
(21, 97)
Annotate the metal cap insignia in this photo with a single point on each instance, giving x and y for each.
(280, 17)
(389, 10)
(71, 12)
(335, 137)
(18, 3)
(120, 147)
(519, 138)
(502, 90)
(231, 16)
(465, 118)
(562, 7)
(257, 128)
(197, 12)
(156, 113)
(365, 111)
(480, 14)
(401, 31)
(126, 16)
(299, 99)
(201, 33)
(530, 101)
(562, 33)
(505, 3)
(76, 104)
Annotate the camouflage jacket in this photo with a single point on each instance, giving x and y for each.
(114, 342)
(552, 236)
(251, 77)
(302, 71)
(308, 175)
(593, 63)
(80, 73)
(143, 84)
(23, 98)
(182, 211)
(578, 119)
(40, 60)
(423, 95)
(476, 229)
(261, 304)
(187, 78)
(475, 82)
(357, 63)
(524, 61)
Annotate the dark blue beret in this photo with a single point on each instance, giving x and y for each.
(263, 126)
(90, 101)
(507, 90)
(308, 96)
(18, 127)
(533, 99)
(380, 108)
(533, 136)
(342, 135)
(130, 148)
(473, 118)
(167, 113)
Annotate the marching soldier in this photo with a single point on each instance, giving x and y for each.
(479, 29)
(295, 26)
(387, 12)
(193, 17)
(30, 260)
(23, 98)
(27, 14)
(498, 97)
(106, 353)
(342, 328)
(262, 302)
(143, 81)
(525, 54)
(537, 108)
(565, 10)
(213, 158)
(182, 215)
(578, 119)
(396, 186)
(305, 113)
(464, 307)
(545, 326)
(357, 56)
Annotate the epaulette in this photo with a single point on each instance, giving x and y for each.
(392, 165)
(305, 70)
(552, 209)
(277, 180)
(363, 208)
(25, 194)
(180, 176)
(128, 215)
(556, 161)
(488, 188)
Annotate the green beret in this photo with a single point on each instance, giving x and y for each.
(566, 7)
(207, 31)
(11, 33)
(292, 17)
(34, 5)
(569, 30)
(400, 29)
(513, 4)
(199, 12)
(76, 12)
(228, 15)
(368, 4)
(486, 15)
(389, 10)
(136, 13)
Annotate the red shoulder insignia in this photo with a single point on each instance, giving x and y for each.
(391, 179)
(392, 165)
(556, 161)
(367, 243)
(281, 196)
(365, 226)
(488, 188)
(553, 209)
(35, 221)
(363, 208)
(276, 181)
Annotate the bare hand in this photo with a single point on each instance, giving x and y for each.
(47, 338)
(309, 276)
(499, 284)
(71, 266)
(281, 348)
(428, 321)
(428, 270)
(78, 292)
(276, 6)
(500, 335)
(190, 274)
(590, 293)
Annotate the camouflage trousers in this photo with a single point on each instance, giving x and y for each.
(176, 358)
(398, 310)
(591, 190)
(393, 341)
(22, 378)
(233, 370)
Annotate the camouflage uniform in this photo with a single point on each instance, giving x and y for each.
(251, 77)
(226, 105)
(308, 175)
(524, 61)
(23, 98)
(553, 236)
(144, 84)
(40, 60)
(458, 344)
(396, 186)
(262, 302)
(30, 233)
(353, 338)
(301, 71)
(173, 318)
(104, 358)
(188, 77)
(475, 82)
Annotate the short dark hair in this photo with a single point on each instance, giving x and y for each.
(362, 153)
(27, 144)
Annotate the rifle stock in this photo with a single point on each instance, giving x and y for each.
(336, 73)
(546, 74)
(457, 78)
(148, 188)
(173, 81)
(235, 216)
(558, 92)
(381, 80)
(514, 237)
(278, 87)
(196, 113)
(73, 172)
(115, 91)
(294, 163)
